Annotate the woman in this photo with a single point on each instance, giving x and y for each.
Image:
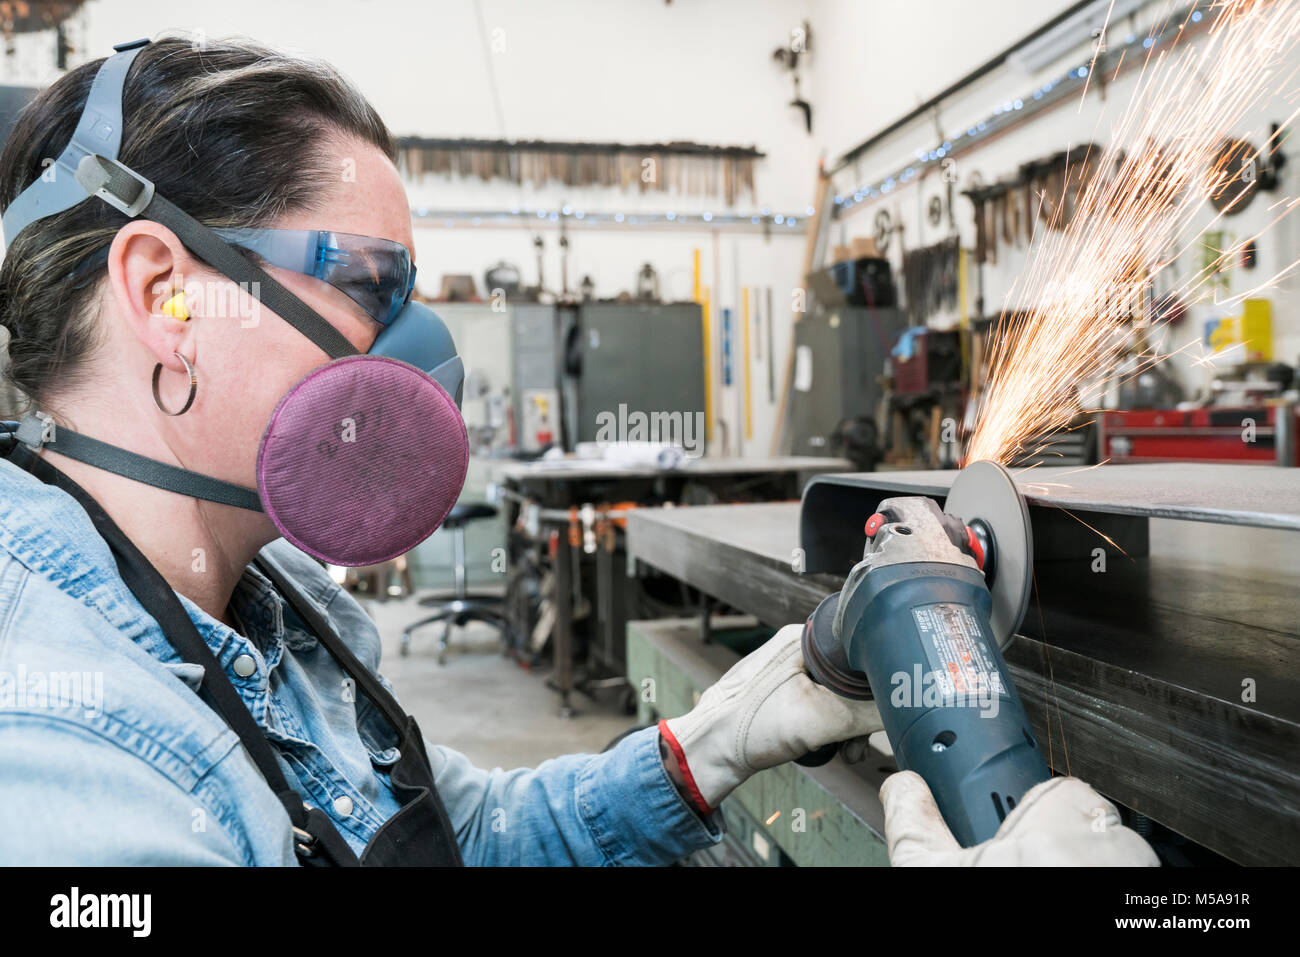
(153, 620)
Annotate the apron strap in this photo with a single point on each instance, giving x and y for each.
(317, 623)
(413, 773)
(313, 830)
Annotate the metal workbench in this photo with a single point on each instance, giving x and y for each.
(550, 489)
(537, 473)
(1170, 682)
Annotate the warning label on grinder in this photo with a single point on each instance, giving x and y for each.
(958, 651)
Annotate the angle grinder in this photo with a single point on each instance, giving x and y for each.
(920, 625)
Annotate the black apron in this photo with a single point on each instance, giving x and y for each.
(418, 835)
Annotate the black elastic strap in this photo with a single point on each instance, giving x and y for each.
(129, 192)
(160, 601)
(226, 259)
(137, 467)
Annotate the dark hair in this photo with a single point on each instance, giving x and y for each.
(229, 131)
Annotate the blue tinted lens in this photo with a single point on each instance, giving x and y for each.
(376, 274)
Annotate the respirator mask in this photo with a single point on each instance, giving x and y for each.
(363, 458)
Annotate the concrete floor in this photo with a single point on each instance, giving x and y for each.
(482, 704)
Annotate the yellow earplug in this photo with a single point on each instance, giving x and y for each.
(175, 307)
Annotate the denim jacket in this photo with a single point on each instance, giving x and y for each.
(108, 756)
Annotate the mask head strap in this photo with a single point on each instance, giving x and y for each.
(98, 131)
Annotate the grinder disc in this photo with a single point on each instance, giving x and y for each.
(985, 491)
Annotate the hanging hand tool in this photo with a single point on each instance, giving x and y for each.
(991, 222)
(803, 105)
(1028, 184)
(771, 349)
(1003, 204)
(976, 196)
(934, 211)
(930, 279)
(882, 228)
(919, 626)
(799, 44)
(539, 244)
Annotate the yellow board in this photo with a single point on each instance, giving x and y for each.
(1252, 330)
(1255, 328)
(708, 367)
(963, 321)
(749, 400)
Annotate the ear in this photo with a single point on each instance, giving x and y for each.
(146, 268)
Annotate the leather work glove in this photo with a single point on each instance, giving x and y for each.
(1058, 823)
(765, 711)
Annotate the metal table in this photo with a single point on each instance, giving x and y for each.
(1171, 681)
(568, 484)
(543, 472)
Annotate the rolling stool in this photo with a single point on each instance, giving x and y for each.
(461, 607)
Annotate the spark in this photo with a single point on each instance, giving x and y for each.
(1096, 52)
(1051, 688)
(1104, 537)
(1087, 279)
(1086, 468)
(771, 820)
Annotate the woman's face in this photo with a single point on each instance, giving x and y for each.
(247, 358)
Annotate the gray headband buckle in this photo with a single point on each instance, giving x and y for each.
(115, 183)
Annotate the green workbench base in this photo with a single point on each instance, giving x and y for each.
(785, 808)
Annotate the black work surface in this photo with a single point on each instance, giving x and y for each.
(1204, 629)
(1266, 496)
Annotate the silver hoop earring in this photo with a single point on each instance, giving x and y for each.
(194, 387)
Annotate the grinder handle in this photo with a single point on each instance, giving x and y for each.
(826, 753)
(818, 627)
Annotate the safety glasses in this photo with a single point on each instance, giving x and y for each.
(376, 274)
